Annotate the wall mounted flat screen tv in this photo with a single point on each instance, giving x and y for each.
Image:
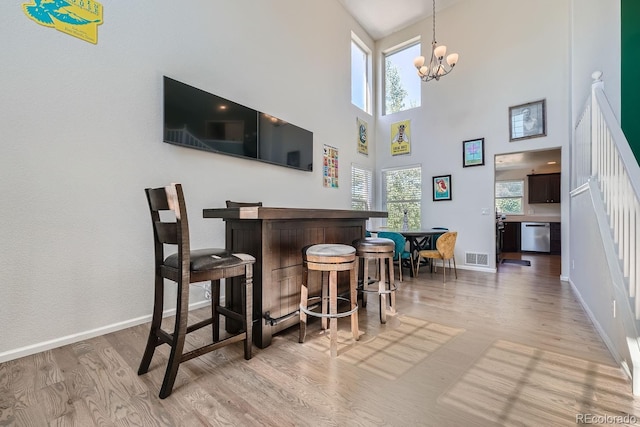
(198, 119)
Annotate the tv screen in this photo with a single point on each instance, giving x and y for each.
(283, 143)
(198, 119)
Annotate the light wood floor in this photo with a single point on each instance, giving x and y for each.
(512, 348)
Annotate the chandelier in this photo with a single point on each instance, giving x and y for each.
(435, 68)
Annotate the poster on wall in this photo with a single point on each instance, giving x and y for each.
(330, 167)
(77, 18)
(363, 146)
(401, 138)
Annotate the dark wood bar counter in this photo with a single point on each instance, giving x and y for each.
(275, 237)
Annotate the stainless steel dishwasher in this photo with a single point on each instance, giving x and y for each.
(535, 237)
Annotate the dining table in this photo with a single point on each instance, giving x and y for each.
(418, 239)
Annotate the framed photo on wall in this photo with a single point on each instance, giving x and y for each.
(441, 188)
(473, 152)
(527, 120)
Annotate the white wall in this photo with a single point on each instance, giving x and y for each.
(82, 138)
(595, 47)
(511, 52)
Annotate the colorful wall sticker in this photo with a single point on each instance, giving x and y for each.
(330, 167)
(78, 18)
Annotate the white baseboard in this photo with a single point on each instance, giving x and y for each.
(70, 339)
(607, 342)
(475, 268)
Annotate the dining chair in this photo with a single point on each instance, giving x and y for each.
(188, 266)
(435, 237)
(445, 250)
(401, 254)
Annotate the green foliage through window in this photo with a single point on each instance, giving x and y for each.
(402, 85)
(403, 191)
(509, 196)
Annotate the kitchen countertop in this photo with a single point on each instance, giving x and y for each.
(532, 218)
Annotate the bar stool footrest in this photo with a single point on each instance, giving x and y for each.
(329, 315)
(378, 291)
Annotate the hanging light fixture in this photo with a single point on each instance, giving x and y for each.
(435, 68)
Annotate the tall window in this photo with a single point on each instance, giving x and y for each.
(401, 83)
(361, 188)
(360, 74)
(509, 196)
(402, 190)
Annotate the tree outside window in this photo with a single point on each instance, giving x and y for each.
(402, 191)
(509, 197)
(402, 85)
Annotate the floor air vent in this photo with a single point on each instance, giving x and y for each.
(474, 258)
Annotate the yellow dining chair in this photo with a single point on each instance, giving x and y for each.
(445, 246)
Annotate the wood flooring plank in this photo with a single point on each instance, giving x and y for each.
(510, 349)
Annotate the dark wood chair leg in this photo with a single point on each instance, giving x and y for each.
(248, 310)
(156, 322)
(177, 342)
(215, 315)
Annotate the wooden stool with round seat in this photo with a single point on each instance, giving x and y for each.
(382, 250)
(329, 258)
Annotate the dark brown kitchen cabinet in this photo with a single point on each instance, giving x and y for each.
(544, 188)
(554, 233)
(511, 237)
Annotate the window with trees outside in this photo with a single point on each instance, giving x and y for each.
(402, 190)
(401, 83)
(510, 196)
(360, 74)
(361, 188)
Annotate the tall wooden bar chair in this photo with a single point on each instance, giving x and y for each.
(329, 258)
(188, 266)
(382, 251)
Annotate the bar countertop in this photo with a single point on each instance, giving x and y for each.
(263, 212)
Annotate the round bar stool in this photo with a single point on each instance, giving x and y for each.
(381, 250)
(329, 258)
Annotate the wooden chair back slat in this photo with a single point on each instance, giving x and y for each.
(167, 232)
(158, 200)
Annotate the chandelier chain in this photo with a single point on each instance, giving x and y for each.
(434, 68)
(433, 40)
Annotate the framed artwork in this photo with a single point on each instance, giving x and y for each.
(330, 167)
(441, 188)
(401, 138)
(473, 152)
(363, 145)
(527, 120)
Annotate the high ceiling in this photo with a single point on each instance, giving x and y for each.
(383, 17)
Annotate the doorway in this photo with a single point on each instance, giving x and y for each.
(527, 194)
